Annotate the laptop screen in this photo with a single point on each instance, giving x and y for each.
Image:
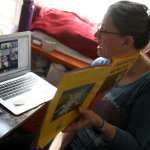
(8, 55)
(15, 52)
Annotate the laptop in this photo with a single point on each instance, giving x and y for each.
(20, 89)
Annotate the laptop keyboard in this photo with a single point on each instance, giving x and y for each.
(16, 87)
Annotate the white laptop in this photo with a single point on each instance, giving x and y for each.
(20, 89)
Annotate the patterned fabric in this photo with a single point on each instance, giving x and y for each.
(100, 61)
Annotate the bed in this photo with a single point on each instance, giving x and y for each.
(65, 32)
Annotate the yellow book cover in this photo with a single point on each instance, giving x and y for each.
(76, 88)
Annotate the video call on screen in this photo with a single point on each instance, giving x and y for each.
(8, 55)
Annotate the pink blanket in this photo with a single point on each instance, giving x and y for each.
(68, 28)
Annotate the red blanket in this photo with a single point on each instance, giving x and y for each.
(68, 28)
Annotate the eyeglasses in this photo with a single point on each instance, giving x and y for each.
(101, 31)
(108, 32)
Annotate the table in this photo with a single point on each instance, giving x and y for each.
(9, 122)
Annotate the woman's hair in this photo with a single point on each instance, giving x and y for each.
(131, 18)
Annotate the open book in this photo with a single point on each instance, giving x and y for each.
(80, 87)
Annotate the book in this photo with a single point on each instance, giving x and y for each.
(80, 87)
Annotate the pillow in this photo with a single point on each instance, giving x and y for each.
(68, 28)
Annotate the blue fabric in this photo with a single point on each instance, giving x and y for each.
(135, 99)
(100, 61)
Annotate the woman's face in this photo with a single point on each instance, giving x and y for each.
(110, 41)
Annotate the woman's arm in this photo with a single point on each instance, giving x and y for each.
(138, 134)
(88, 118)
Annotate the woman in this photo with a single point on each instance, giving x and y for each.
(125, 30)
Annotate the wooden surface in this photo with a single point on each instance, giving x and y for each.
(59, 57)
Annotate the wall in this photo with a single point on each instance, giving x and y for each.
(9, 15)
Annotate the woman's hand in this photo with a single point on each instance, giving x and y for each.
(87, 119)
